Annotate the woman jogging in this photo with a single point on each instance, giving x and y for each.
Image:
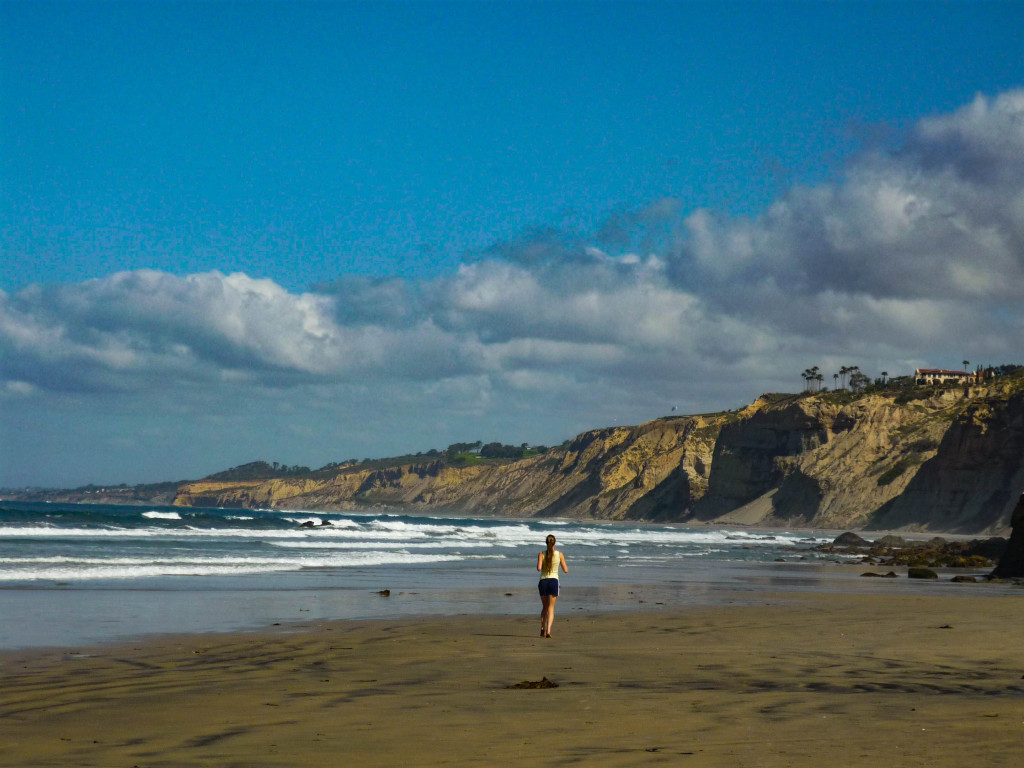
(548, 563)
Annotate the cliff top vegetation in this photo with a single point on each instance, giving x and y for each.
(457, 454)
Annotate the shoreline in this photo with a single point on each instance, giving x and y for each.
(92, 615)
(794, 679)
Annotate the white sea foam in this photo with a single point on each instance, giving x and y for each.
(120, 572)
(72, 569)
(154, 515)
(506, 536)
(147, 533)
(379, 544)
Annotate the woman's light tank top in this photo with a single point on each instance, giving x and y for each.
(552, 572)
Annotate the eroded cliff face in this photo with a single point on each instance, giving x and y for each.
(950, 460)
(975, 475)
(654, 471)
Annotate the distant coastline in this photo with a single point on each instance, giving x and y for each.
(938, 458)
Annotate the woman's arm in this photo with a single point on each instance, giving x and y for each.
(540, 560)
(561, 562)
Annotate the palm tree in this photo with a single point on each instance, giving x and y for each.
(857, 379)
(811, 375)
(885, 377)
(842, 372)
(835, 381)
(966, 363)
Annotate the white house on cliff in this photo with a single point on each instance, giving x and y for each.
(940, 375)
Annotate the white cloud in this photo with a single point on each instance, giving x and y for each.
(912, 255)
(17, 389)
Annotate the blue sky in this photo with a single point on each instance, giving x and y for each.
(309, 231)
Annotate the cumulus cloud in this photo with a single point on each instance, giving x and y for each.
(150, 328)
(940, 219)
(911, 257)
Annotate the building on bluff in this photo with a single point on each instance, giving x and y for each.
(942, 376)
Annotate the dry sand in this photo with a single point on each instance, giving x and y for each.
(824, 680)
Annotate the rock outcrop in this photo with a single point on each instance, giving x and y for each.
(1011, 564)
(933, 553)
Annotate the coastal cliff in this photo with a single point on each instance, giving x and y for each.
(651, 471)
(941, 459)
(949, 461)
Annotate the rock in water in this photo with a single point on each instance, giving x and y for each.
(850, 539)
(921, 573)
(1011, 564)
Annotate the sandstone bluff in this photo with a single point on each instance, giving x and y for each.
(921, 459)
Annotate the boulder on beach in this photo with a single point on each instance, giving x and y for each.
(935, 553)
(1011, 563)
(921, 573)
(850, 539)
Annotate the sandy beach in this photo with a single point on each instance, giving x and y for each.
(852, 680)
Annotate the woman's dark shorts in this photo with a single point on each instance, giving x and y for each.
(548, 587)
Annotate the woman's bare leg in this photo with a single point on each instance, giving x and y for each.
(550, 610)
(546, 601)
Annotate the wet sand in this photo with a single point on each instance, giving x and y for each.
(812, 680)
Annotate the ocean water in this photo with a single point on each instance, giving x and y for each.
(73, 574)
(79, 543)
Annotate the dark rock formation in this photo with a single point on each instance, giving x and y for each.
(921, 573)
(850, 539)
(534, 684)
(1011, 564)
(891, 542)
(934, 553)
